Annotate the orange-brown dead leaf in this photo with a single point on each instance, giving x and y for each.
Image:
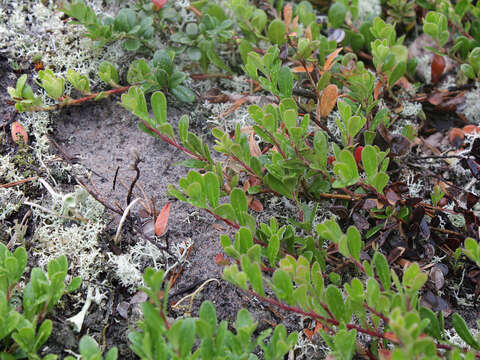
(287, 16)
(328, 100)
(294, 23)
(162, 220)
(301, 69)
(18, 131)
(308, 33)
(378, 90)
(330, 59)
(310, 333)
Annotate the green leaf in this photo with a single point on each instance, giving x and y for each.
(277, 186)
(226, 211)
(273, 248)
(183, 94)
(244, 48)
(397, 73)
(196, 195)
(285, 82)
(462, 330)
(380, 181)
(163, 61)
(336, 14)
(108, 73)
(355, 243)
(132, 44)
(433, 328)
(335, 302)
(183, 128)
(369, 160)
(276, 32)
(345, 343)
(159, 107)
(468, 71)
(238, 201)
(214, 58)
(43, 334)
(74, 284)
(212, 189)
(283, 286)
(194, 53)
(254, 274)
(382, 269)
(346, 169)
(187, 336)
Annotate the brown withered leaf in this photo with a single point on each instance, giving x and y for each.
(437, 278)
(392, 196)
(438, 66)
(360, 221)
(328, 100)
(162, 219)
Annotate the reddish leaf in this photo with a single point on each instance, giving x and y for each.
(256, 205)
(438, 65)
(328, 100)
(220, 259)
(162, 220)
(18, 131)
(331, 159)
(358, 154)
(391, 336)
(159, 3)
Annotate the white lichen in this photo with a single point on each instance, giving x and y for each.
(368, 9)
(471, 107)
(128, 267)
(78, 240)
